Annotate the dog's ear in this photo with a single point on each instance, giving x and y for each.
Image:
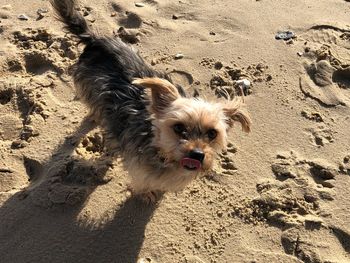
(235, 112)
(163, 92)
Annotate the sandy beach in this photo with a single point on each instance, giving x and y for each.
(279, 194)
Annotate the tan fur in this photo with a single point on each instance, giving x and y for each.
(163, 92)
(162, 159)
(168, 109)
(174, 179)
(235, 112)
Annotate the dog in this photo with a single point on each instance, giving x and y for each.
(165, 137)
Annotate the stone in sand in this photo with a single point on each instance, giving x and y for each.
(23, 17)
(244, 83)
(179, 56)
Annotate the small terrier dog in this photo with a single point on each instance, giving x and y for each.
(165, 137)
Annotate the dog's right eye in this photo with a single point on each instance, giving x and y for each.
(180, 129)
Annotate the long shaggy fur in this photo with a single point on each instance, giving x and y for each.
(103, 77)
(73, 20)
(110, 78)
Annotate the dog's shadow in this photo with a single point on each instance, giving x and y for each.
(40, 223)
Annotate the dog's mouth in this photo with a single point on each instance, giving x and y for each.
(190, 164)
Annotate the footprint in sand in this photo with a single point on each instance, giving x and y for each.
(65, 181)
(322, 172)
(126, 18)
(91, 145)
(294, 202)
(132, 26)
(12, 173)
(295, 197)
(182, 78)
(328, 73)
(39, 51)
(318, 84)
(312, 115)
(10, 127)
(326, 244)
(38, 63)
(342, 77)
(320, 136)
(227, 163)
(14, 64)
(6, 93)
(15, 97)
(130, 20)
(292, 166)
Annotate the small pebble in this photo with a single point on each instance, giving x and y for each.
(218, 65)
(23, 17)
(212, 33)
(243, 82)
(175, 17)
(300, 54)
(285, 35)
(42, 11)
(113, 14)
(179, 56)
(17, 144)
(346, 159)
(139, 5)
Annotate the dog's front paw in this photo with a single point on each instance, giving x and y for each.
(151, 197)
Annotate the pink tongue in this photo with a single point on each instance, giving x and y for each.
(190, 163)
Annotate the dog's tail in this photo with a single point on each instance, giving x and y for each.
(73, 20)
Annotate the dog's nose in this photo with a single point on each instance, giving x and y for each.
(196, 154)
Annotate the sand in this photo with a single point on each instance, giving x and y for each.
(279, 194)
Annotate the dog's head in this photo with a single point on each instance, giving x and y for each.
(190, 132)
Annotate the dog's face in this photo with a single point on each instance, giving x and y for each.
(190, 132)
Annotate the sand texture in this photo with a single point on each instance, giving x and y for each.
(279, 194)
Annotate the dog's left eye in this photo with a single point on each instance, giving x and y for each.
(212, 134)
(180, 129)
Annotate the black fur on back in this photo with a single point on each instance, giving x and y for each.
(103, 76)
(73, 20)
